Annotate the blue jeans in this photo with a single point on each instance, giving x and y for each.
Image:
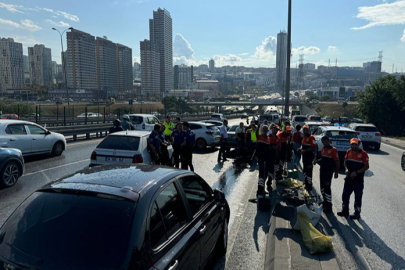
(297, 158)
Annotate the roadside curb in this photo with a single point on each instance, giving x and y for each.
(394, 144)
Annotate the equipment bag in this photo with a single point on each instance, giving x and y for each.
(315, 241)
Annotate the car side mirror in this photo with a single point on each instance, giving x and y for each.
(219, 196)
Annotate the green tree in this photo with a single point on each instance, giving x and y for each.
(325, 98)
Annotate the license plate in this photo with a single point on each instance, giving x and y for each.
(112, 159)
(366, 136)
(342, 143)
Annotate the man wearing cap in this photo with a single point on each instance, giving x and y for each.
(308, 147)
(329, 163)
(126, 125)
(285, 139)
(274, 157)
(169, 127)
(356, 163)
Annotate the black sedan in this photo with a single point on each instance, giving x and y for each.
(118, 217)
(11, 167)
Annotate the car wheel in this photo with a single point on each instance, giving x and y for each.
(201, 144)
(377, 147)
(57, 149)
(403, 162)
(222, 243)
(9, 175)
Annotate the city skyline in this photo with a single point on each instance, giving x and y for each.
(352, 32)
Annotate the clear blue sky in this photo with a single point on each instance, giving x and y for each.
(232, 32)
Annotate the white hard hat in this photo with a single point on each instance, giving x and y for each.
(125, 116)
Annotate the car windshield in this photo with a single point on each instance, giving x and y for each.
(366, 129)
(68, 231)
(341, 134)
(130, 143)
(136, 120)
(300, 118)
(262, 118)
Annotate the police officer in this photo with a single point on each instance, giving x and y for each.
(126, 125)
(224, 137)
(188, 147)
(262, 153)
(329, 166)
(164, 157)
(169, 127)
(308, 154)
(274, 153)
(177, 140)
(356, 163)
(116, 127)
(285, 140)
(154, 144)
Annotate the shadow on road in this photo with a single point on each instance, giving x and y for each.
(42, 157)
(377, 152)
(261, 222)
(207, 151)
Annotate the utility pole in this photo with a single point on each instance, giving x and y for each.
(287, 86)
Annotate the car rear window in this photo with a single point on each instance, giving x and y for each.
(120, 143)
(316, 118)
(68, 231)
(300, 119)
(213, 128)
(215, 116)
(262, 118)
(341, 135)
(366, 129)
(136, 120)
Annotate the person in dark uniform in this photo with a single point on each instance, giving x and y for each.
(262, 153)
(308, 155)
(177, 140)
(274, 153)
(285, 139)
(116, 127)
(154, 144)
(188, 147)
(329, 166)
(356, 164)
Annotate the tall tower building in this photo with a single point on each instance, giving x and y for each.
(212, 65)
(11, 65)
(40, 65)
(161, 39)
(124, 69)
(150, 69)
(106, 59)
(81, 68)
(26, 65)
(281, 60)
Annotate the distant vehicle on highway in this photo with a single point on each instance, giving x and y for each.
(59, 102)
(143, 121)
(30, 138)
(205, 135)
(357, 120)
(244, 115)
(89, 115)
(403, 161)
(314, 118)
(31, 103)
(217, 116)
(173, 114)
(11, 166)
(298, 119)
(124, 147)
(48, 100)
(33, 115)
(368, 133)
(216, 123)
(141, 212)
(326, 118)
(9, 116)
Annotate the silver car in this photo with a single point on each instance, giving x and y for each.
(368, 133)
(11, 166)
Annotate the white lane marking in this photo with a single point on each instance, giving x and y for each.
(44, 170)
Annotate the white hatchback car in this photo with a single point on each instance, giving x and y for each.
(30, 138)
(124, 147)
(143, 121)
(205, 135)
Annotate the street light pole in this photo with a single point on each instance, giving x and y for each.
(287, 85)
(63, 62)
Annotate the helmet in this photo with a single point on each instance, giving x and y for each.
(126, 116)
(117, 122)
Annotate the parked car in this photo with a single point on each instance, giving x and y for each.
(316, 118)
(124, 217)
(217, 116)
(368, 133)
(205, 135)
(298, 119)
(9, 116)
(124, 147)
(143, 121)
(216, 123)
(90, 115)
(11, 166)
(30, 138)
(313, 125)
(231, 141)
(403, 161)
(339, 136)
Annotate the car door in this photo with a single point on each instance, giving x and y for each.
(17, 137)
(205, 211)
(174, 240)
(41, 142)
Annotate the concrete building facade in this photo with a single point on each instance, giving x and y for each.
(150, 69)
(124, 68)
(183, 77)
(40, 65)
(211, 64)
(106, 61)
(281, 60)
(11, 65)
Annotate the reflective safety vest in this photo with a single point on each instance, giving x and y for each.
(253, 135)
(168, 126)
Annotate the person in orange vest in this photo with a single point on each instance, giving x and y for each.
(274, 153)
(356, 164)
(262, 153)
(285, 139)
(308, 155)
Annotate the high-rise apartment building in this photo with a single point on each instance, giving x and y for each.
(81, 68)
(11, 65)
(136, 70)
(106, 60)
(40, 65)
(212, 65)
(183, 77)
(281, 60)
(161, 41)
(150, 69)
(124, 68)
(26, 65)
